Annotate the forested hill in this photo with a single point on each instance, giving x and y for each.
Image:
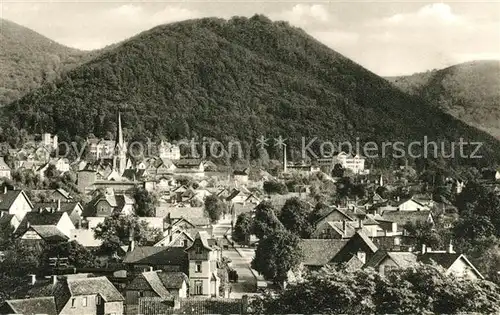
(242, 78)
(468, 91)
(28, 60)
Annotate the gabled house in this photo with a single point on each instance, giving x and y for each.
(359, 248)
(73, 209)
(401, 218)
(333, 215)
(189, 166)
(45, 226)
(15, 202)
(452, 262)
(61, 194)
(384, 261)
(203, 258)
(4, 169)
(81, 295)
(161, 284)
(110, 204)
(320, 252)
(404, 205)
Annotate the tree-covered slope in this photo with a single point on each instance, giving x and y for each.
(468, 91)
(238, 78)
(28, 59)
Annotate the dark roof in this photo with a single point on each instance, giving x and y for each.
(39, 218)
(31, 306)
(242, 172)
(319, 252)
(152, 255)
(445, 260)
(402, 259)
(49, 233)
(65, 206)
(403, 217)
(187, 163)
(201, 237)
(173, 280)
(96, 285)
(64, 193)
(7, 199)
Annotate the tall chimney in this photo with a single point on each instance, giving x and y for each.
(424, 249)
(450, 248)
(58, 204)
(150, 268)
(4, 189)
(33, 279)
(54, 279)
(360, 223)
(344, 227)
(132, 239)
(284, 159)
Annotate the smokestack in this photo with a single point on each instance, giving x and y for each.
(284, 159)
(33, 279)
(54, 279)
(450, 248)
(58, 204)
(424, 249)
(131, 239)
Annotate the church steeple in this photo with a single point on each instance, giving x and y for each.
(120, 158)
(119, 132)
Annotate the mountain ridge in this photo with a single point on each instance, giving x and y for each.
(469, 91)
(238, 78)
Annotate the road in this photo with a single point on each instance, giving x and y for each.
(246, 284)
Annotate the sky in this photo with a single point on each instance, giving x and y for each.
(387, 37)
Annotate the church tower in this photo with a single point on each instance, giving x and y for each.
(120, 148)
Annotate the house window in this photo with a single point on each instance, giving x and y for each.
(84, 302)
(98, 300)
(73, 302)
(198, 250)
(198, 266)
(198, 287)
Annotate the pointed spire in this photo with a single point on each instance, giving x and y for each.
(119, 133)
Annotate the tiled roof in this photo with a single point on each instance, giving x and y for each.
(6, 200)
(187, 162)
(32, 306)
(49, 233)
(403, 217)
(173, 280)
(156, 284)
(152, 255)
(37, 218)
(97, 285)
(403, 259)
(319, 252)
(445, 260)
(65, 206)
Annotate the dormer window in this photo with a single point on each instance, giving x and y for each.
(198, 250)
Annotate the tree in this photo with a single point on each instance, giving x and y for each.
(274, 187)
(422, 289)
(243, 228)
(424, 233)
(118, 230)
(214, 208)
(145, 202)
(276, 255)
(295, 217)
(78, 256)
(51, 172)
(338, 171)
(265, 220)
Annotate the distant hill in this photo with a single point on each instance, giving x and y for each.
(242, 78)
(28, 60)
(468, 91)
